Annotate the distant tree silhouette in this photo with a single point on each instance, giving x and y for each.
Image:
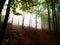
(48, 8)
(23, 22)
(36, 22)
(54, 18)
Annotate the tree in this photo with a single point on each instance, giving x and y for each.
(5, 22)
(24, 5)
(2, 2)
(58, 14)
(23, 22)
(48, 8)
(54, 18)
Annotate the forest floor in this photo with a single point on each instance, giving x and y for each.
(30, 36)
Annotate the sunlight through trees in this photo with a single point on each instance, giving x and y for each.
(29, 15)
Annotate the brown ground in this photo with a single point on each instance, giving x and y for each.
(17, 36)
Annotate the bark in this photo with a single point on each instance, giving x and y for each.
(54, 16)
(5, 22)
(48, 16)
(58, 21)
(2, 2)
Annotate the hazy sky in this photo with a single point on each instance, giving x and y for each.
(28, 18)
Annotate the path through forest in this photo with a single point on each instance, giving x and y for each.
(31, 36)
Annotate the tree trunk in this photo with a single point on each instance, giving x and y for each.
(48, 16)
(23, 23)
(54, 16)
(5, 22)
(12, 20)
(36, 22)
(2, 2)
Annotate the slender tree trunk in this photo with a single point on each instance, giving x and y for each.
(5, 22)
(18, 21)
(41, 21)
(58, 21)
(58, 18)
(12, 20)
(44, 22)
(2, 2)
(23, 23)
(54, 16)
(36, 22)
(48, 16)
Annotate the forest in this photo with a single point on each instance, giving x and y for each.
(29, 22)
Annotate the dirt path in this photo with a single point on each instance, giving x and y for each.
(17, 36)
